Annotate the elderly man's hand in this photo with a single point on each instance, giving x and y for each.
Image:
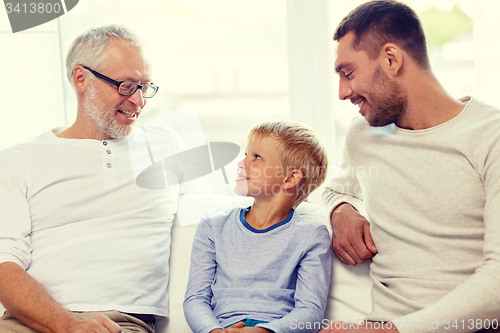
(352, 241)
(99, 324)
(371, 327)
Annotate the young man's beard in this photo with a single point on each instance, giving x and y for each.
(104, 119)
(389, 102)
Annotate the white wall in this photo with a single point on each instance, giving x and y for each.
(487, 50)
(30, 82)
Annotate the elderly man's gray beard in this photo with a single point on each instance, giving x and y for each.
(104, 119)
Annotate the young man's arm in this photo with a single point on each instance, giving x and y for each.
(474, 304)
(197, 303)
(352, 241)
(351, 238)
(28, 301)
(313, 281)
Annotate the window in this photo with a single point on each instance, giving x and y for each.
(228, 58)
(239, 62)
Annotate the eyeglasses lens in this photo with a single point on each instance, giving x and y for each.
(129, 88)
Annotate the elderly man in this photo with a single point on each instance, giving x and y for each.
(82, 247)
(426, 168)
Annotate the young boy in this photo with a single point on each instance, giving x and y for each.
(264, 268)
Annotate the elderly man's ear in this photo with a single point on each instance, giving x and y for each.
(80, 79)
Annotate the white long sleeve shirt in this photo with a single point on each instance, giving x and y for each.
(433, 199)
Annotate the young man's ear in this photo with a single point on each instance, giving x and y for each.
(293, 179)
(80, 78)
(391, 57)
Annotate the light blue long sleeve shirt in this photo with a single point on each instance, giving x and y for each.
(279, 275)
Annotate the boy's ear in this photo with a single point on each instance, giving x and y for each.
(293, 179)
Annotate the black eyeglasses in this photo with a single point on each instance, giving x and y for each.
(127, 88)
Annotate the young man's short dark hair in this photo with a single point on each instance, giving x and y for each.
(378, 22)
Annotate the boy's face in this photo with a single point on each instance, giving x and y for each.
(260, 173)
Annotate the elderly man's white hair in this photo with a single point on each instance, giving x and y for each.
(89, 48)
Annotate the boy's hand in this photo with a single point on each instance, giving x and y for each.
(352, 241)
(247, 330)
(239, 324)
(344, 327)
(240, 328)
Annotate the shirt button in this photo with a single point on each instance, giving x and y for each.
(105, 143)
(108, 151)
(109, 165)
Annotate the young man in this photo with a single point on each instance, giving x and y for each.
(434, 203)
(80, 242)
(265, 265)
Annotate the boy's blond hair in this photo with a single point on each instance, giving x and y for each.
(299, 147)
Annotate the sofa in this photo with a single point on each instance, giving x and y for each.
(349, 295)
